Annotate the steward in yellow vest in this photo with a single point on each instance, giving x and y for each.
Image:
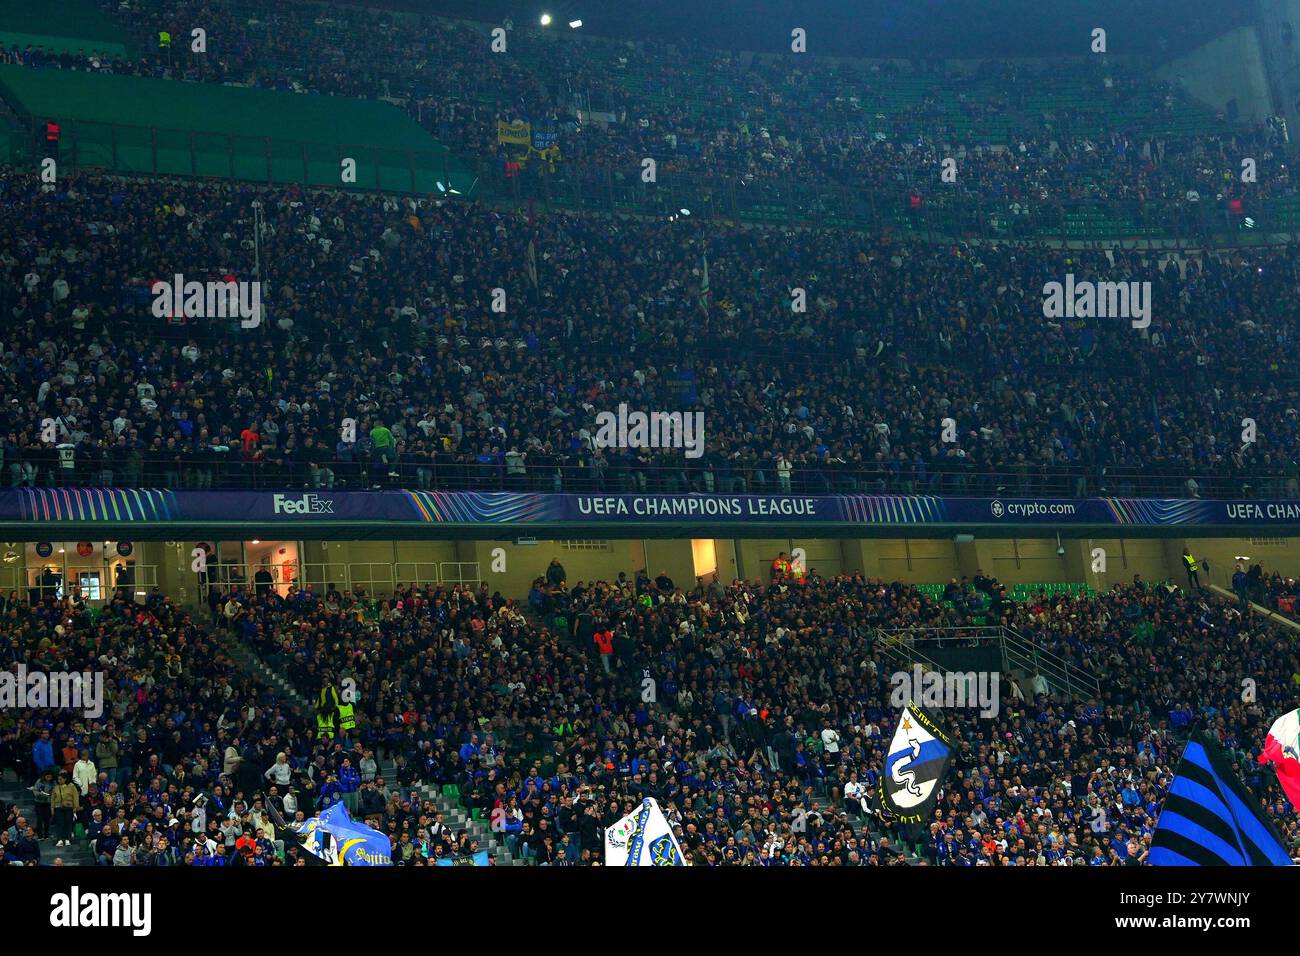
(327, 709)
(1189, 562)
(347, 720)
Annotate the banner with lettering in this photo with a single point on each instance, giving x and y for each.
(477, 859)
(106, 506)
(517, 133)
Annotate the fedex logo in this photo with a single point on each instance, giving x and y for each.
(304, 505)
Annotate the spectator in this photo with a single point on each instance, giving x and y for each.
(65, 801)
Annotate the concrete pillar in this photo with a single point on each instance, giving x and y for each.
(673, 556)
(861, 554)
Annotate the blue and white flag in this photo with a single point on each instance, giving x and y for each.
(915, 766)
(643, 838)
(339, 840)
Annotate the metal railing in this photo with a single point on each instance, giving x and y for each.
(417, 572)
(459, 572)
(99, 586)
(611, 474)
(1018, 653)
(373, 576)
(898, 645)
(377, 578)
(1021, 653)
(926, 214)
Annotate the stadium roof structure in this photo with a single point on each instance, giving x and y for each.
(875, 28)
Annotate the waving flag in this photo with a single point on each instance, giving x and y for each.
(1210, 818)
(643, 838)
(1282, 750)
(915, 766)
(339, 840)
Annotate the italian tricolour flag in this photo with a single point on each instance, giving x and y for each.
(1282, 750)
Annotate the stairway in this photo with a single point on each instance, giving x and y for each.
(899, 647)
(255, 667)
(455, 815)
(1020, 653)
(13, 790)
(1267, 613)
(1021, 657)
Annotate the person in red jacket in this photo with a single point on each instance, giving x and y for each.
(605, 644)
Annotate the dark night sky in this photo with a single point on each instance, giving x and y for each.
(903, 28)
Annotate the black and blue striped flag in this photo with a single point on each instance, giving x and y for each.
(1210, 818)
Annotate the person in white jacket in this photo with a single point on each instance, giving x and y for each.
(84, 772)
(783, 470)
(231, 760)
(369, 767)
(857, 794)
(831, 746)
(280, 771)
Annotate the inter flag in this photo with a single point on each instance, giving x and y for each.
(1282, 750)
(1210, 818)
(643, 838)
(918, 759)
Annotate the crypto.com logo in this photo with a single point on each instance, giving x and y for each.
(1028, 509)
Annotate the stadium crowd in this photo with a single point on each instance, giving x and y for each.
(755, 713)
(170, 771)
(822, 360)
(380, 309)
(768, 711)
(1026, 136)
(189, 762)
(1274, 590)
